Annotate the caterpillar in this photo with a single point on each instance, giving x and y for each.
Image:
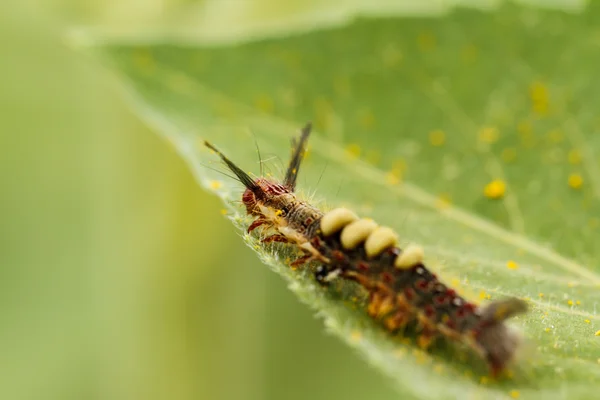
(402, 290)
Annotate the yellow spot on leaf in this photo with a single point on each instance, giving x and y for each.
(400, 353)
(144, 61)
(373, 157)
(556, 136)
(541, 294)
(524, 128)
(393, 177)
(353, 151)
(468, 54)
(264, 103)
(514, 394)
(366, 119)
(484, 380)
(495, 189)
(508, 155)
(548, 329)
(574, 156)
(489, 135)
(224, 211)
(356, 336)
(443, 201)
(587, 321)
(215, 185)
(577, 302)
(539, 98)
(437, 137)
(391, 56)
(180, 83)
(575, 181)
(512, 265)
(426, 41)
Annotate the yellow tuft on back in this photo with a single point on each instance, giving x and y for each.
(381, 238)
(410, 257)
(335, 220)
(357, 232)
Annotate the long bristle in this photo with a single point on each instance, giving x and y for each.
(298, 150)
(242, 176)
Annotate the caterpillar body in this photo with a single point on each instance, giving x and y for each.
(401, 288)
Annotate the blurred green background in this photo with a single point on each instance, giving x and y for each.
(119, 277)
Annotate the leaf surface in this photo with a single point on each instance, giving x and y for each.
(474, 135)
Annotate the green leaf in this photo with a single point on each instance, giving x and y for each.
(488, 120)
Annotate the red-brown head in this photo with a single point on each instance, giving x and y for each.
(264, 190)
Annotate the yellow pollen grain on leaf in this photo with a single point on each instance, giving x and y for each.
(366, 119)
(570, 302)
(524, 128)
(539, 97)
(215, 185)
(514, 394)
(144, 60)
(468, 54)
(426, 41)
(264, 103)
(443, 201)
(495, 189)
(574, 156)
(489, 134)
(356, 336)
(393, 177)
(373, 157)
(508, 155)
(223, 211)
(575, 181)
(512, 264)
(597, 333)
(180, 83)
(587, 321)
(437, 137)
(400, 165)
(353, 151)
(556, 136)
(391, 55)
(400, 353)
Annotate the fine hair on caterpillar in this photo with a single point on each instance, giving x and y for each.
(402, 290)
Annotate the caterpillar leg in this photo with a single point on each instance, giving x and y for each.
(325, 274)
(426, 338)
(256, 224)
(397, 321)
(380, 305)
(275, 238)
(302, 260)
